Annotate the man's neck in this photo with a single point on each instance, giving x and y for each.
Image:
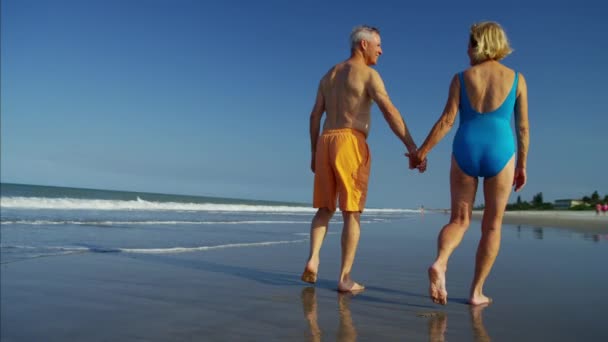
(357, 57)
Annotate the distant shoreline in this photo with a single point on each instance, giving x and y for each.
(581, 220)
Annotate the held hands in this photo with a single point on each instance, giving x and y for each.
(519, 179)
(417, 161)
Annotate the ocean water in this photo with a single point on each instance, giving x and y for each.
(42, 221)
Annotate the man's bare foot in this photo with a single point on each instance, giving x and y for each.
(437, 289)
(310, 272)
(350, 286)
(479, 299)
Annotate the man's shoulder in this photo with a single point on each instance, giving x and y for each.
(332, 69)
(329, 72)
(356, 71)
(373, 76)
(373, 72)
(365, 73)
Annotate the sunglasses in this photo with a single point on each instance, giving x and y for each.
(472, 41)
(371, 28)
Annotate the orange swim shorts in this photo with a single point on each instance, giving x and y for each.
(342, 168)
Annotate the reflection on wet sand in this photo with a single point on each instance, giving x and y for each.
(346, 329)
(479, 330)
(309, 305)
(539, 233)
(438, 325)
(437, 320)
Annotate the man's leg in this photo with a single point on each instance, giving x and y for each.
(496, 192)
(318, 230)
(463, 188)
(350, 240)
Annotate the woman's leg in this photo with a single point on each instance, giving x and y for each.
(463, 189)
(496, 192)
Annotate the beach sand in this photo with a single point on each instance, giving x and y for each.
(544, 289)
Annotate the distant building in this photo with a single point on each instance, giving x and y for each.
(567, 203)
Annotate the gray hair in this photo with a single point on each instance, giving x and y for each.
(362, 32)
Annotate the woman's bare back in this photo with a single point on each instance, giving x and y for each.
(487, 85)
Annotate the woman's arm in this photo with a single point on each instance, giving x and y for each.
(445, 122)
(523, 135)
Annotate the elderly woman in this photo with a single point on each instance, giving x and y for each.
(486, 95)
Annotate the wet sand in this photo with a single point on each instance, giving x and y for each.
(584, 221)
(547, 289)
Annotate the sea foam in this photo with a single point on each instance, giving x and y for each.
(143, 205)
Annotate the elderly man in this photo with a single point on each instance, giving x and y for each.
(340, 155)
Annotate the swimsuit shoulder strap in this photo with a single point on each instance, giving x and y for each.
(515, 82)
(464, 98)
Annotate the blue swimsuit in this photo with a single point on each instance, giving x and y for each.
(484, 143)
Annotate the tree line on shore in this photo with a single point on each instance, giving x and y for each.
(589, 202)
(537, 203)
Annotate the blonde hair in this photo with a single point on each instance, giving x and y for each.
(489, 41)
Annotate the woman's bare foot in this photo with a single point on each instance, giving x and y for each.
(479, 299)
(437, 289)
(350, 286)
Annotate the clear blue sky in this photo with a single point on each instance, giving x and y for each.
(213, 97)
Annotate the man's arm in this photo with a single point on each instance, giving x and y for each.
(315, 124)
(378, 93)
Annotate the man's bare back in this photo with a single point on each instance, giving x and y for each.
(347, 100)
